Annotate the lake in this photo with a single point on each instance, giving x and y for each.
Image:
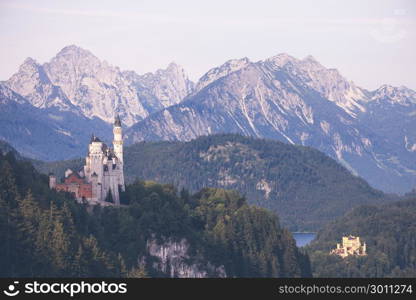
(303, 238)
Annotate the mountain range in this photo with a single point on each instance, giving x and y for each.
(297, 101)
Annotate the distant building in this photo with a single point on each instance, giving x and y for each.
(351, 245)
(102, 177)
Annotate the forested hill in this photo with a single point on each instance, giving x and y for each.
(303, 186)
(211, 233)
(6, 148)
(389, 232)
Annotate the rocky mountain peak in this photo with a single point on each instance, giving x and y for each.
(94, 86)
(32, 82)
(310, 58)
(74, 61)
(170, 85)
(76, 79)
(279, 60)
(29, 62)
(326, 81)
(30, 68)
(225, 69)
(174, 66)
(401, 94)
(74, 51)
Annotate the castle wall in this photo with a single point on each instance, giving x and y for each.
(103, 171)
(111, 180)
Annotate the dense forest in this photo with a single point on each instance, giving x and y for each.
(390, 234)
(49, 234)
(303, 186)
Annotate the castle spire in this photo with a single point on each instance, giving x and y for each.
(117, 121)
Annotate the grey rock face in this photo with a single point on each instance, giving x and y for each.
(96, 87)
(173, 260)
(217, 73)
(32, 83)
(170, 86)
(76, 80)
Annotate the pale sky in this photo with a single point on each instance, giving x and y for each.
(369, 42)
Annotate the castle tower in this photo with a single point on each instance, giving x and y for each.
(96, 155)
(118, 139)
(52, 181)
(118, 150)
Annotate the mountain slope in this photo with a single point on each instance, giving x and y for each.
(303, 186)
(391, 113)
(48, 133)
(32, 83)
(170, 86)
(283, 98)
(97, 88)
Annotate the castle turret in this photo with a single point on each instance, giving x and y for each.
(118, 150)
(52, 181)
(68, 172)
(94, 162)
(118, 139)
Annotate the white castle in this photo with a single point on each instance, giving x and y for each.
(102, 177)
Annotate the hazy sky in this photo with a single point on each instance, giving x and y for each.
(369, 42)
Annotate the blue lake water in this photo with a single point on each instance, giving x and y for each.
(303, 238)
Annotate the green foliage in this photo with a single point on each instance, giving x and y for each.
(303, 186)
(48, 234)
(40, 232)
(248, 239)
(389, 232)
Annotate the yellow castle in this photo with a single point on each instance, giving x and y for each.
(351, 245)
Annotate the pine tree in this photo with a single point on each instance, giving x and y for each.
(121, 266)
(60, 246)
(9, 195)
(28, 218)
(138, 272)
(79, 264)
(4, 237)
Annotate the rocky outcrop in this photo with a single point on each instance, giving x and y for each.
(32, 83)
(173, 259)
(170, 86)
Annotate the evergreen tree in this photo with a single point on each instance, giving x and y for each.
(138, 272)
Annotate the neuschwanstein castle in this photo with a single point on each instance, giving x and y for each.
(102, 177)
